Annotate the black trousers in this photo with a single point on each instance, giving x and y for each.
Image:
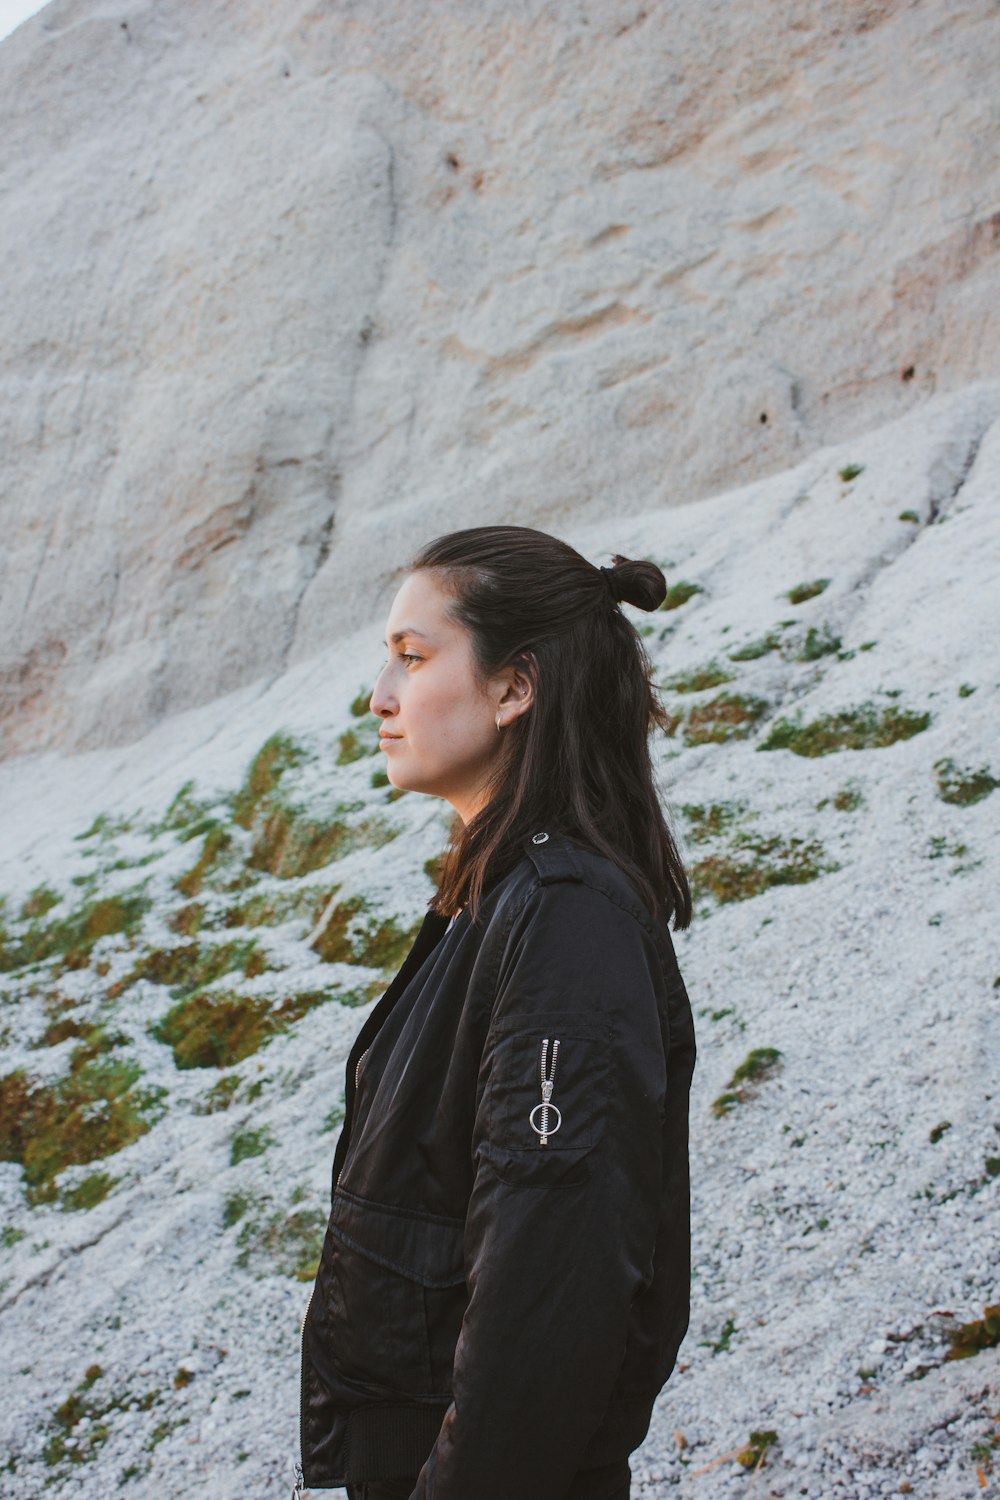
(609, 1482)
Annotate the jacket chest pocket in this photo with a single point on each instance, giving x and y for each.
(546, 1099)
(395, 1293)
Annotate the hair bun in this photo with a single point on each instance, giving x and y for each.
(636, 581)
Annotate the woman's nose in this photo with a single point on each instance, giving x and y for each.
(380, 701)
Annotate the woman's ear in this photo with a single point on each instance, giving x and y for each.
(518, 692)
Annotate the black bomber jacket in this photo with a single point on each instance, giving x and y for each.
(504, 1281)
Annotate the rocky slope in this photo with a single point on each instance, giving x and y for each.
(176, 1045)
(281, 276)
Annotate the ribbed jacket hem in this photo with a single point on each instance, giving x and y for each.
(386, 1439)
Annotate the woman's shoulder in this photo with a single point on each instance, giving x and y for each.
(558, 873)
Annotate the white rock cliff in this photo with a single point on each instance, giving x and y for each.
(289, 288)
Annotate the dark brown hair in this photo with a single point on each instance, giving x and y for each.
(578, 760)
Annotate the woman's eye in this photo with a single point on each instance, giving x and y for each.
(403, 656)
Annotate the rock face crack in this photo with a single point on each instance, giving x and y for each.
(942, 503)
(362, 347)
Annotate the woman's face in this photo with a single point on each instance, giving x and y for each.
(439, 732)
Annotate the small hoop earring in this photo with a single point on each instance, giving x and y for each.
(498, 723)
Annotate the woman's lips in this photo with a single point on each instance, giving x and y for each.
(385, 738)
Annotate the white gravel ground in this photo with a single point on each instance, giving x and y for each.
(835, 1243)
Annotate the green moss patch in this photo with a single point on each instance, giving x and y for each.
(755, 862)
(41, 900)
(277, 755)
(753, 1455)
(377, 944)
(79, 1426)
(87, 1193)
(972, 1338)
(864, 728)
(218, 843)
(848, 799)
(190, 966)
(758, 648)
(105, 827)
(708, 821)
(850, 472)
(187, 920)
(287, 1243)
(355, 744)
(963, 787)
(818, 643)
(679, 593)
(212, 1029)
(288, 842)
(699, 679)
(803, 591)
(249, 1143)
(730, 716)
(72, 938)
(756, 1066)
(91, 1113)
(288, 845)
(220, 1096)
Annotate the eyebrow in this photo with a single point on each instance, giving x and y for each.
(398, 635)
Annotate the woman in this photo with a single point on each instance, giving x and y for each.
(504, 1281)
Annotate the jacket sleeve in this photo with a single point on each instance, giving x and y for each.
(559, 1236)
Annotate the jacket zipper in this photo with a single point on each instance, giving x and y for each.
(299, 1473)
(300, 1478)
(546, 1083)
(357, 1076)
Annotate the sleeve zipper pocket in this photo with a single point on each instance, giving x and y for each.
(545, 1107)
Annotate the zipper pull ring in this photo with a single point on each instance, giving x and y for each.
(300, 1480)
(546, 1083)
